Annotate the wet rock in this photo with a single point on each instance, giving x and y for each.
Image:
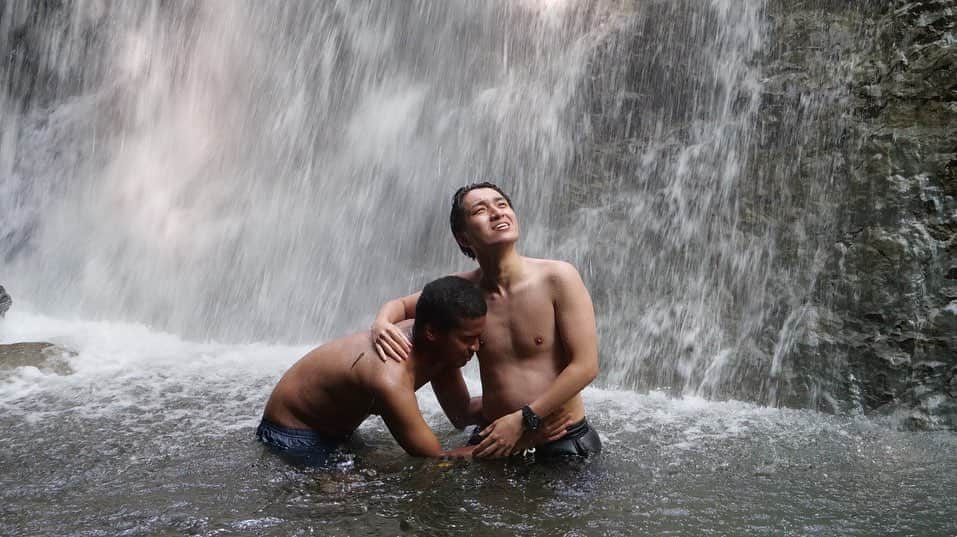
(952, 383)
(943, 322)
(44, 356)
(891, 280)
(5, 301)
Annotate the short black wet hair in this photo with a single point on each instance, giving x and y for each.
(457, 216)
(447, 301)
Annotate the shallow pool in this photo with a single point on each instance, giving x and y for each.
(146, 434)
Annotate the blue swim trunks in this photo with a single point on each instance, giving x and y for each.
(300, 446)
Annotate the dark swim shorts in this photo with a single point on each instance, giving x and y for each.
(302, 446)
(579, 441)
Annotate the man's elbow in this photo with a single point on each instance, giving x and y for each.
(590, 371)
(464, 417)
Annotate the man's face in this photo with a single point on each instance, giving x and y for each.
(489, 219)
(460, 343)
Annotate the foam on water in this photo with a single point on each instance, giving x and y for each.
(129, 373)
(126, 369)
(161, 429)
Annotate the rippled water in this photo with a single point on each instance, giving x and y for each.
(152, 435)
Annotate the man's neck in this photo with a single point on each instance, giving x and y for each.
(501, 269)
(423, 362)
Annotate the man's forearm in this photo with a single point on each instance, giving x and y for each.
(469, 414)
(392, 311)
(464, 452)
(475, 415)
(569, 383)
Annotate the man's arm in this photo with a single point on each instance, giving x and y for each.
(453, 394)
(388, 340)
(400, 411)
(575, 321)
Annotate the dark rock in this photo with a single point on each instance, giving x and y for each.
(943, 322)
(889, 279)
(5, 301)
(952, 383)
(43, 356)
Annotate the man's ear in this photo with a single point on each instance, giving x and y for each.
(463, 242)
(430, 334)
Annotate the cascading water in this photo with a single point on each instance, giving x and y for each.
(275, 171)
(684, 285)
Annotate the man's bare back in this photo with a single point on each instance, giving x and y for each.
(324, 396)
(332, 388)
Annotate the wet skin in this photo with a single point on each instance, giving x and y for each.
(540, 342)
(335, 387)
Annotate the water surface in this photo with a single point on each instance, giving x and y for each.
(153, 435)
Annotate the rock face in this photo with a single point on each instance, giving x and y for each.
(898, 290)
(885, 303)
(5, 301)
(850, 178)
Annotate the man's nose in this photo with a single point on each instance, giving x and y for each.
(474, 347)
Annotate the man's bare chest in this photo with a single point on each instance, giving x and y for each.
(518, 327)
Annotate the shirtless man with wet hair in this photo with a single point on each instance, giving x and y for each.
(324, 396)
(539, 348)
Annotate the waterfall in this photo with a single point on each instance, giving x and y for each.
(275, 170)
(272, 170)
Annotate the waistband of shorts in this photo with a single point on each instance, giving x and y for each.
(305, 434)
(578, 429)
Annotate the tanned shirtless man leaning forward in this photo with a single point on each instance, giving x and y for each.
(324, 396)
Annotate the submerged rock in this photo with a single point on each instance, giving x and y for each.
(44, 356)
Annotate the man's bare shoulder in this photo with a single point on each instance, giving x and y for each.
(381, 376)
(389, 382)
(472, 275)
(347, 346)
(556, 273)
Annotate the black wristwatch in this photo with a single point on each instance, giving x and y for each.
(530, 419)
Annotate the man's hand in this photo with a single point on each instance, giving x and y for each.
(389, 341)
(500, 437)
(554, 426)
